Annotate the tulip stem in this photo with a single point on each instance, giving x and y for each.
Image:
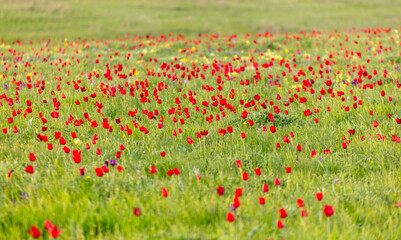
(328, 227)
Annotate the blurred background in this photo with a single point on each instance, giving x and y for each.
(109, 19)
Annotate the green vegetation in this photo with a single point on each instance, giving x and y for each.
(43, 19)
(333, 98)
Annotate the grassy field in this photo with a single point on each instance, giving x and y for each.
(43, 19)
(278, 134)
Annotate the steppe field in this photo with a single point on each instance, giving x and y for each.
(200, 119)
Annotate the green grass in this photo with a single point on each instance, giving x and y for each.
(367, 173)
(43, 19)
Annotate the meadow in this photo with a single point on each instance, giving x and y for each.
(184, 132)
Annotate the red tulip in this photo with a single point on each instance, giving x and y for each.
(230, 217)
(9, 174)
(48, 225)
(164, 192)
(265, 188)
(277, 182)
(52, 229)
(29, 169)
(105, 169)
(238, 192)
(328, 210)
(32, 157)
(300, 202)
(163, 154)
(272, 129)
(189, 140)
(34, 231)
(99, 172)
(288, 169)
(280, 224)
(257, 171)
(319, 196)
(375, 124)
(176, 171)
(262, 201)
(239, 164)
(245, 176)
(283, 213)
(54, 232)
(62, 141)
(152, 169)
(137, 212)
(220, 190)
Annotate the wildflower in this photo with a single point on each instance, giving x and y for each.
(280, 224)
(300, 202)
(29, 169)
(283, 213)
(137, 211)
(265, 188)
(9, 174)
(230, 217)
(52, 229)
(328, 210)
(99, 172)
(220, 190)
(32, 157)
(34, 231)
(238, 192)
(164, 192)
